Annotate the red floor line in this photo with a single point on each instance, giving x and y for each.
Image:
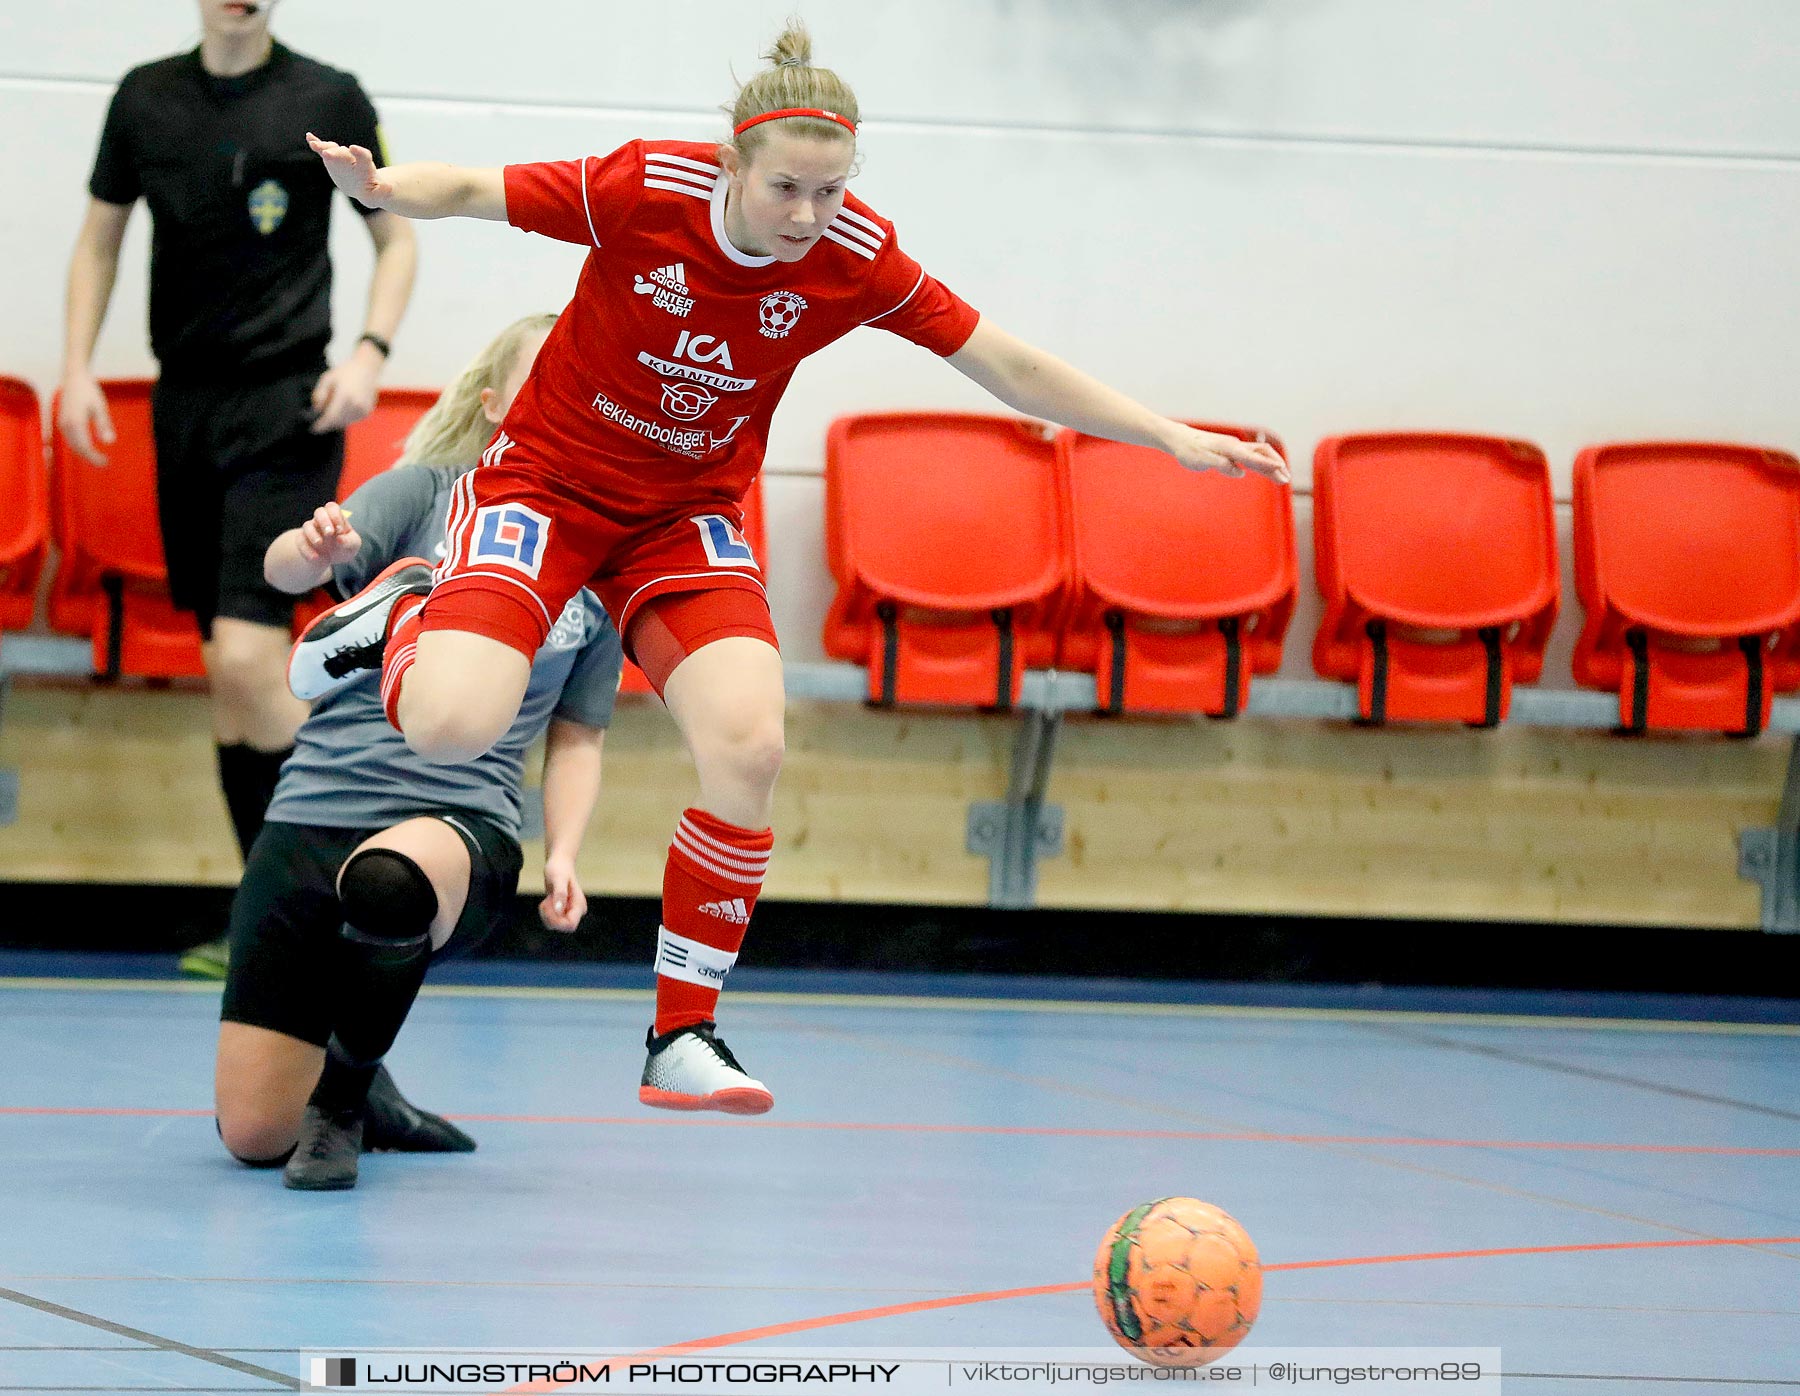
(1190, 1136)
(1585, 1248)
(1214, 1136)
(781, 1330)
(102, 1110)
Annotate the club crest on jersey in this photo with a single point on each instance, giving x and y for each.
(724, 544)
(669, 287)
(687, 401)
(511, 535)
(778, 312)
(268, 206)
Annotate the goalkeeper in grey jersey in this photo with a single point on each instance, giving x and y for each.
(372, 861)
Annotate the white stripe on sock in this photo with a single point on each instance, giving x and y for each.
(736, 876)
(719, 848)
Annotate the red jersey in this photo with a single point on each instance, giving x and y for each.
(656, 386)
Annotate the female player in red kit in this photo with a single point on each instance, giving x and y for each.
(712, 271)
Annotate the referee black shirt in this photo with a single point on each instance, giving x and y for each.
(240, 275)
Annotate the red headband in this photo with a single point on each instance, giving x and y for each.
(843, 121)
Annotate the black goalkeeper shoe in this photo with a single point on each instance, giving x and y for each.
(325, 1159)
(393, 1123)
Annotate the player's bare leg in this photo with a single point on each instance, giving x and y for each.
(460, 694)
(261, 1080)
(730, 703)
(451, 693)
(728, 699)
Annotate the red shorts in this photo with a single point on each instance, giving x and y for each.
(519, 544)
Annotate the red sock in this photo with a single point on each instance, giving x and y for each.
(405, 622)
(710, 884)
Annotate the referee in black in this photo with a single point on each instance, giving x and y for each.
(249, 420)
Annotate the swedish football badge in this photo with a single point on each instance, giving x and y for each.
(268, 206)
(778, 311)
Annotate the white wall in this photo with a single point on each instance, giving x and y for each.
(1568, 220)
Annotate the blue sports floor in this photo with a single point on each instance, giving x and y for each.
(1613, 1201)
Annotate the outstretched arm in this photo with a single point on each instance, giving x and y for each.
(1027, 379)
(414, 191)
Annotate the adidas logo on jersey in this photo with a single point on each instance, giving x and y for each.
(732, 910)
(669, 286)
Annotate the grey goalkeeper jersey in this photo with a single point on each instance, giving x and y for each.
(351, 770)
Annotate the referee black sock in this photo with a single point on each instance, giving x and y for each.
(389, 904)
(248, 778)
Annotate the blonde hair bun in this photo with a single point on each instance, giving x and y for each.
(792, 81)
(793, 49)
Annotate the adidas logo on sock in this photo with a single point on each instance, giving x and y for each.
(732, 910)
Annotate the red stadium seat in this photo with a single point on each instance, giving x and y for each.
(946, 535)
(373, 444)
(74, 593)
(25, 521)
(632, 680)
(1687, 561)
(1436, 556)
(111, 582)
(1183, 582)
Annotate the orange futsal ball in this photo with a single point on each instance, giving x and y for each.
(1177, 1282)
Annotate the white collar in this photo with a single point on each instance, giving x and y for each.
(743, 259)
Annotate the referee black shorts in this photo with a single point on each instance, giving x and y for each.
(287, 958)
(236, 465)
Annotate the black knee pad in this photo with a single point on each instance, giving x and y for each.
(388, 904)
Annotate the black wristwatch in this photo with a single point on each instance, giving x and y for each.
(369, 338)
